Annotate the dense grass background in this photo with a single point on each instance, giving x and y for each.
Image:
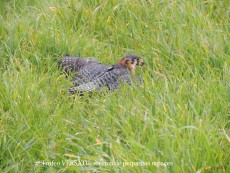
(179, 115)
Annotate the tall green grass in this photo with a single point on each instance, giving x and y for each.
(180, 114)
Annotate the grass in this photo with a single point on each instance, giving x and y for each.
(180, 115)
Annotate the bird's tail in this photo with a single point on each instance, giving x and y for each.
(90, 86)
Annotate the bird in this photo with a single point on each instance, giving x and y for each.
(93, 75)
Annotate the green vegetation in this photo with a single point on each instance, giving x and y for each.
(179, 115)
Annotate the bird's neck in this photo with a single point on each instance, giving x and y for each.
(132, 70)
(131, 67)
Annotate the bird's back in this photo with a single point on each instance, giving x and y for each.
(89, 73)
(109, 79)
(86, 69)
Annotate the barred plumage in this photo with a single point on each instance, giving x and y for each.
(87, 69)
(92, 75)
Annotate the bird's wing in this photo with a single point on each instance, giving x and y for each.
(90, 72)
(71, 64)
(87, 87)
(109, 79)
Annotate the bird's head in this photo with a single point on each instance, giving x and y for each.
(131, 61)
